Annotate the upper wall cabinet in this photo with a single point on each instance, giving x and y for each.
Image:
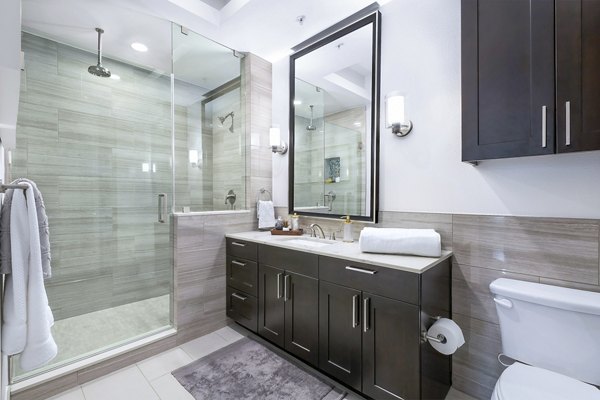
(577, 75)
(530, 82)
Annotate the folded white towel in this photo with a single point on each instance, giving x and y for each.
(418, 242)
(266, 214)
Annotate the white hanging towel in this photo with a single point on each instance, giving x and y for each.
(27, 318)
(266, 214)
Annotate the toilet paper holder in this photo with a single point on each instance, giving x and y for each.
(427, 337)
(438, 339)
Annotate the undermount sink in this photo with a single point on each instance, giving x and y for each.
(310, 242)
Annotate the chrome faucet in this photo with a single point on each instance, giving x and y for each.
(313, 230)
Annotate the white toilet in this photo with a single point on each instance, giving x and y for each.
(554, 334)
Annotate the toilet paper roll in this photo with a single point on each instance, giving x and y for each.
(452, 333)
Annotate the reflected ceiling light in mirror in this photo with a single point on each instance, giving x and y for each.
(277, 146)
(395, 114)
(141, 47)
(297, 102)
(115, 77)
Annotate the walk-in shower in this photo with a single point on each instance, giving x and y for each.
(104, 153)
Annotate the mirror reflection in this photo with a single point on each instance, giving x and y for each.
(333, 136)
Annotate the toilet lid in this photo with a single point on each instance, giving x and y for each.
(523, 382)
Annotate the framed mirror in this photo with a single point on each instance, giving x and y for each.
(334, 123)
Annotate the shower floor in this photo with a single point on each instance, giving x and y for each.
(87, 334)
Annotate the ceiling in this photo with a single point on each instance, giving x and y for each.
(267, 28)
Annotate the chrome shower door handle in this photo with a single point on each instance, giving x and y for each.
(544, 125)
(567, 123)
(162, 207)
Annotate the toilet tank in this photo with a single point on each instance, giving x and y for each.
(550, 327)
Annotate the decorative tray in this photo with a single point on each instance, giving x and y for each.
(287, 233)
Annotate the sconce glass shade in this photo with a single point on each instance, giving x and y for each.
(277, 146)
(395, 114)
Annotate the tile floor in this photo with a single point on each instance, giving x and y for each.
(151, 379)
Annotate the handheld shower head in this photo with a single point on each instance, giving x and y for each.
(99, 69)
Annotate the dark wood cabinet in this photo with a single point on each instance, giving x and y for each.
(288, 302)
(340, 333)
(271, 304)
(301, 317)
(507, 78)
(578, 75)
(391, 348)
(359, 323)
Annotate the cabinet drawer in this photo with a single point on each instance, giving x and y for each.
(242, 275)
(387, 282)
(289, 260)
(242, 249)
(242, 308)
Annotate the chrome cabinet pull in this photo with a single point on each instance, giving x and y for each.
(544, 125)
(279, 285)
(366, 307)
(238, 244)
(237, 296)
(568, 123)
(354, 311)
(286, 288)
(239, 264)
(362, 270)
(162, 207)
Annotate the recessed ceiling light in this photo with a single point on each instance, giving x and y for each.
(141, 47)
(115, 77)
(297, 102)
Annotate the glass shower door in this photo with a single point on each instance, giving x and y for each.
(100, 151)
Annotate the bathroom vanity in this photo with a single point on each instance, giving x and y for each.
(357, 317)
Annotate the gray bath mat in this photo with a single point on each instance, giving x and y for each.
(248, 370)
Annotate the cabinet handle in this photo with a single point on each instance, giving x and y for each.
(366, 307)
(568, 123)
(239, 264)
(237, 296)
(279, 285)
(238, 244)
(544, 125)
(354, 311)
(362, 270)
(286, 288)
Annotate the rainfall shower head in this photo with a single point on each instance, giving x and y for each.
(310, 126)
(98, 69)
(222, 119)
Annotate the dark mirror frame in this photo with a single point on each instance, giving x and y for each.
(375, 20)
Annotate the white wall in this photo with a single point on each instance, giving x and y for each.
(423, 172)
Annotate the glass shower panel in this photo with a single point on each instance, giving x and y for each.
(100, 150)
(210, 140)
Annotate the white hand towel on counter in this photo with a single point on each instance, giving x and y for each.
(418, 242)
(26, 318)
(266, 214)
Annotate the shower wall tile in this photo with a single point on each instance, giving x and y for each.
(84, 141)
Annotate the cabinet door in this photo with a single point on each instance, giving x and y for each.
(577, 75)
(302, 316)
(391, 346)
(271, 306)
(340, 333)
(507, 78)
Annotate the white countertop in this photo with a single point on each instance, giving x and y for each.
(346, 251)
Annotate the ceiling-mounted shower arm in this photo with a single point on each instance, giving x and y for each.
(100, 32)
(99, 69)
(310, 126)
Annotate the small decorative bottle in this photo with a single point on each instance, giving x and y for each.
(295, 222)
(348, 229)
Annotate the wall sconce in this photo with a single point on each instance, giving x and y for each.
(395, 116)
(195, 158)
(277, 146)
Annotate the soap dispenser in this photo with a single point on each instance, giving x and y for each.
(348, 229)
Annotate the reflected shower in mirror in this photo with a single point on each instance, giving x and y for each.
(333, 123)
